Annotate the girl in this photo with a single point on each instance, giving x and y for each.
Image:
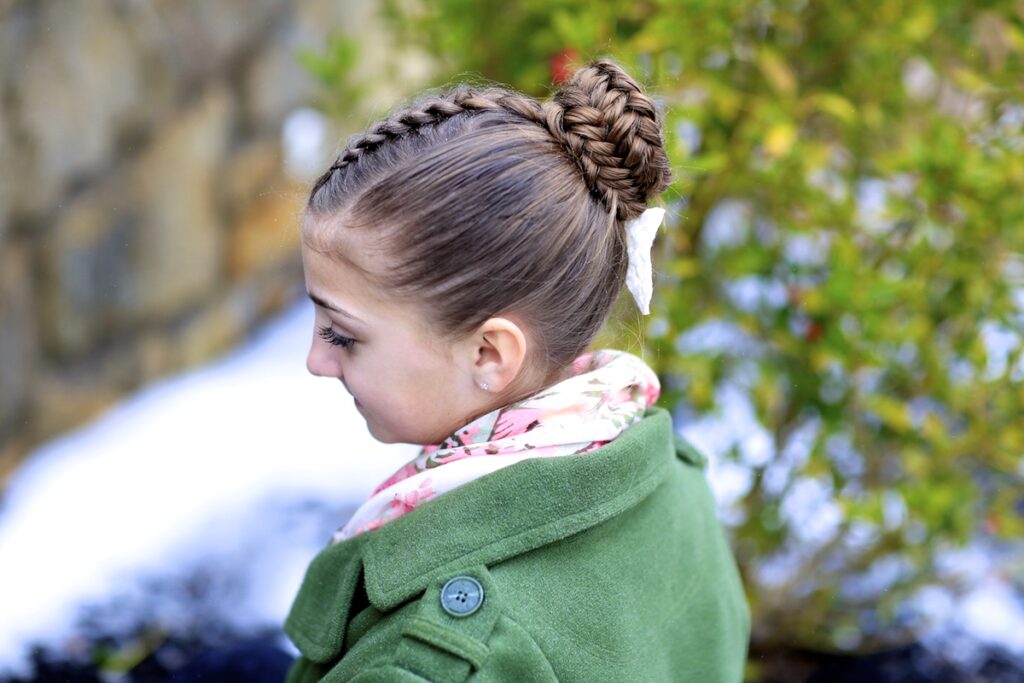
(462, 254)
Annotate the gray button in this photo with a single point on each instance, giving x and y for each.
(462, 596)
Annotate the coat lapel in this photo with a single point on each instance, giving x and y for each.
(320, 613)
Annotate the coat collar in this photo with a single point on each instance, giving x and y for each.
(513, 511)
(504, 514)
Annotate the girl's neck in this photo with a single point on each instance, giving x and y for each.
(525, 390)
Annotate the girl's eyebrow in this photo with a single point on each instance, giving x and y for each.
(333, 307)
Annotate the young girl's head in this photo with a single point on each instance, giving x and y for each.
(462, 252)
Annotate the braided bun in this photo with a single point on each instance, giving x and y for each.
(601, 117)
(612, 131)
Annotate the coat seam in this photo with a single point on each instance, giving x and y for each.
(529, 634)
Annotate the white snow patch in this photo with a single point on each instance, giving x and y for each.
(988, 611)
(181, 471)
(304, 138)
(993, 613)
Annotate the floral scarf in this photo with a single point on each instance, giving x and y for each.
(608, 393)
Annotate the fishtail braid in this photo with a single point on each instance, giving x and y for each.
(612, 131)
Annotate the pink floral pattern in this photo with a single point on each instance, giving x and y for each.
(607, 394)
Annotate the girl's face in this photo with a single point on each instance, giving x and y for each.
(410, 385)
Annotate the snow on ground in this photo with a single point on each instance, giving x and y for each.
(218, 462)
(246, 466)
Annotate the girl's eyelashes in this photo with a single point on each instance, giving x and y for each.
(335, 339)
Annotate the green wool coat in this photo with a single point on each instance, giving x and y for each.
(609, 566)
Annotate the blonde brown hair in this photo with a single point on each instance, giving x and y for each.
(488, 202)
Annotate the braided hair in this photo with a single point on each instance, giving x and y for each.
(488, 202)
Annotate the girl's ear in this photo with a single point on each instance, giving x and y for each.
(499, 354)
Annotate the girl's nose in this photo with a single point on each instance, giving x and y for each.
(320, 362)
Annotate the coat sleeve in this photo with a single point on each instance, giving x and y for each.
(511, 656)
(424, 642)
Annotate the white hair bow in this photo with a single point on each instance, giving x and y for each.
(639, 240)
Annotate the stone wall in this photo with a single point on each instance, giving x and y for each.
(146, 221)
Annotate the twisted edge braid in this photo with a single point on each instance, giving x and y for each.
(431, 112)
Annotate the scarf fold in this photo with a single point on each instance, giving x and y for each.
(608, 393)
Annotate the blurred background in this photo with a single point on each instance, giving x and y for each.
(837, 319)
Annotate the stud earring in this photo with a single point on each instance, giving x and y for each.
(484, 386)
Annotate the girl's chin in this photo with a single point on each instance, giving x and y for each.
(380, 436)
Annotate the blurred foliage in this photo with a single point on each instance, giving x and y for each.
(339, 93)
(846, 243)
